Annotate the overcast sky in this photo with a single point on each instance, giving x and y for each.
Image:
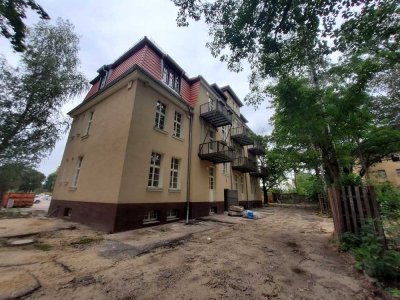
(108, 28)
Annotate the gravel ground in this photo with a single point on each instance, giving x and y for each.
(287, 254)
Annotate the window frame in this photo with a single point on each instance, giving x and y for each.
(161, 112)
(174, 174)
(178, 125)
(171, 78)
(77, 171)
(174, 215)
(151, 216)
(89, 123)
(152, 171)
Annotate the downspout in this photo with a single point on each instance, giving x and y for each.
(189, 165)
(247, 191)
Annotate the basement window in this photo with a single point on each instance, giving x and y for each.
(150, 217)
(67, 212)
(172, 214)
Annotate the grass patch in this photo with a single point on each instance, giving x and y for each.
(43, 246)
(86, 241)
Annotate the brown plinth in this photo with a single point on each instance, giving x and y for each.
(251, 204)
(119, 217)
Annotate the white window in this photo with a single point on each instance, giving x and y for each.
(172, 214)
(398, 172)
(241, 184)
(224, 133)
(211, 180)
(382, 174)
(160, 115)
(225, 169)
(211, 134)
(77, 172)
(174, 174)
(178, 125)
(151, 216)
(155, 166)
(89, 124)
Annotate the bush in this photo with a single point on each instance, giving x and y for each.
(351, 179)
(371, 255)
(388, 198)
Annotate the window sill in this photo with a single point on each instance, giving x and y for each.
(172, 219)
(84, 137)
(150, 222)
(160, 130)
(73, 188)
(177, 138)
(174, 190)
(154, 189)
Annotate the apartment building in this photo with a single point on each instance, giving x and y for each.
(149, 145)
(386, 170)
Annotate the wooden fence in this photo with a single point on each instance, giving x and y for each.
(352, 206)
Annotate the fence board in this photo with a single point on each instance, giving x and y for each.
(359, 205)
(343, 201)
(350, 208)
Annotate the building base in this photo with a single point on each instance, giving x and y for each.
(112, 217)
(251, 204)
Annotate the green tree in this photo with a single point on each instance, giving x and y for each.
(286, 38)
(12, 13)
(31, 180)
(50, 181)
(32, 95)
(10, 177)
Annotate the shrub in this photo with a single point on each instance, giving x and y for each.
(371, 255)
(388, 197)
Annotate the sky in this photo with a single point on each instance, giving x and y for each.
(108, 28)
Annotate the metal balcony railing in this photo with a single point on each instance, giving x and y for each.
(216, 152)
(216, 113)
(244, 165)
(256, 149)
(241, 135)
(261, 172)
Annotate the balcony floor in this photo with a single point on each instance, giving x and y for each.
(216, 118)
(242, 139)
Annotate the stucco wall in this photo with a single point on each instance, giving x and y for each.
(103, 151)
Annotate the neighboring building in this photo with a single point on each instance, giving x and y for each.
(387, 170)
(148, 143)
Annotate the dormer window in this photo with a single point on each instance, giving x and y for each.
(104, 77)
(171, 78)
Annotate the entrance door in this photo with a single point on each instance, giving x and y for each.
(211, 183)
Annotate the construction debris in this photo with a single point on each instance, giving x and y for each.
(235, 211)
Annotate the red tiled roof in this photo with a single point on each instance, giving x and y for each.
(148, 56)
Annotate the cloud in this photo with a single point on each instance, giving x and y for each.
(107, 29)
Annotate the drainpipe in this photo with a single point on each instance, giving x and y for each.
(247, 191)
(189, 164)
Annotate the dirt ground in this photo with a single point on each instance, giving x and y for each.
(287, 254)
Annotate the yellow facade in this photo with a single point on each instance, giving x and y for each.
(387, 170)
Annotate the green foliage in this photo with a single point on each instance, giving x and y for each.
(12, 13)
(20, 178)
(30, 180)
(309, 185)
(50, 181)
(371, 255)
(351, 179)
(43, 246)
(32, 95)
(388, 197)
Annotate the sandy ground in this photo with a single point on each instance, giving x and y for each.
(287, 254)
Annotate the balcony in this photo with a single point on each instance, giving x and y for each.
(241, 135)
(261, 172)
(256, 149)
(244, 165)
(216, 152)
(216, 113)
